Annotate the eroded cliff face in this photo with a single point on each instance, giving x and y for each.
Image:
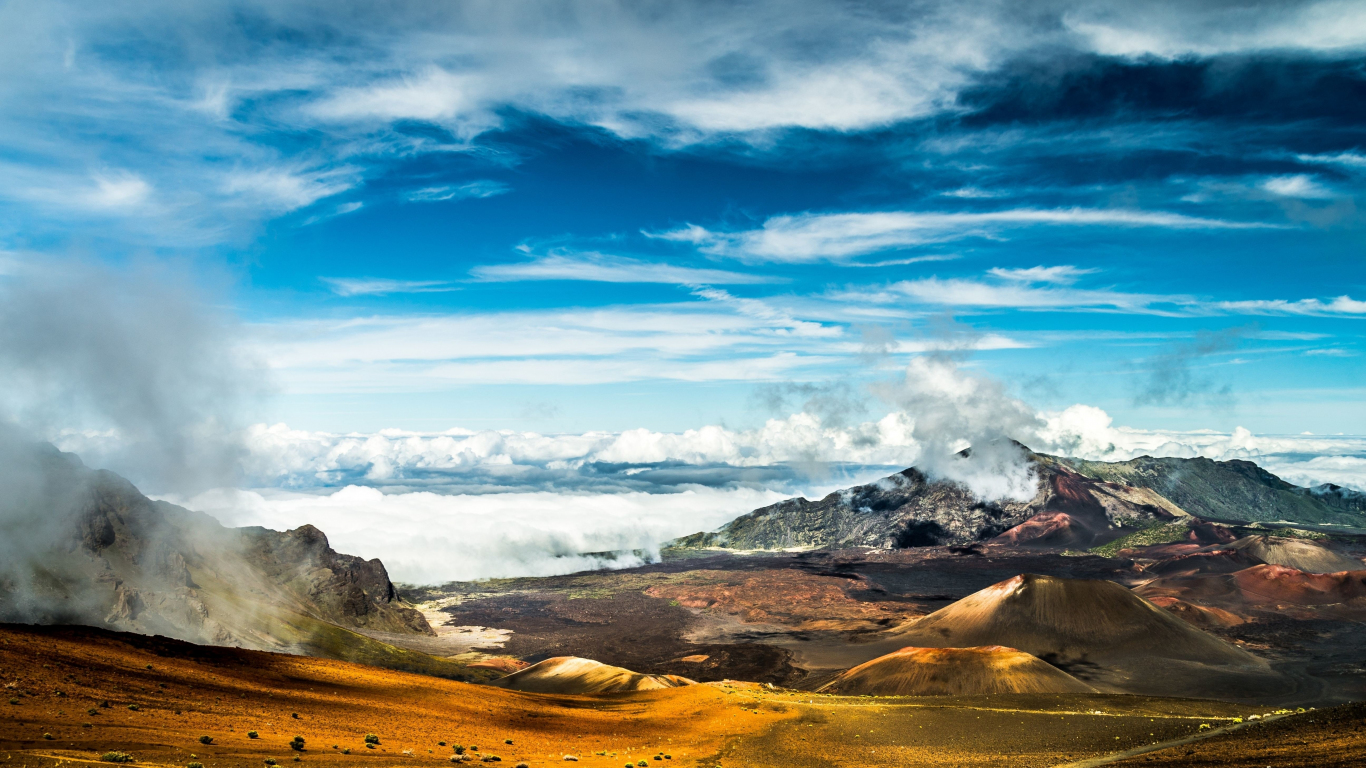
(1077, 504)
(86, 547)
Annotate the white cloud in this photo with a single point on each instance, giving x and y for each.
(1300, 185)
(811, 237)
(1016, 295)
(371, 286)
(1061, 275)
(475, 189)
(720, 339)
(118, 190)
(425, 537)
(1174, 29)
(432, 94)
(287, 189)
(602, 268)
(468, 504)
(1342, 305)
(1354, 160)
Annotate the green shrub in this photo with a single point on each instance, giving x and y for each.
(369, 746)
(458, 749)
(149, 666)
(270, 761)
(441, 743)
(641, 764)
(14, 702)
(48, 736)
(206, 740)
(294, 715)
(92, 711)
(194, 765)
(116, 757)
(297, 758)
(297, 744)
(253, 735)
(133, 707)
(346, 751)
(371, 738)
(507, 741)
(87, 725)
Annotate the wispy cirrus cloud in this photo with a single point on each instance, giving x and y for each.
(1341, 306)
(1060, 275)
(809, 237)
(374, 286)
(966, 292)
(472, 190)
(602, 268)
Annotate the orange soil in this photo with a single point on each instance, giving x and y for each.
(786, 597)
(224, 693)
(955, 672)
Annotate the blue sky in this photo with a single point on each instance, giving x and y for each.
(565, 217)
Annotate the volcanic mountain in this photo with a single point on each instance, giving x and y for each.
(570, 674)
(1299, 554)
(1274, 591)
(954, 672)
(1099, 632)
(84, 546)
(1078, 504)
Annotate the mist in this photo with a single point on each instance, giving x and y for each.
(134, 369)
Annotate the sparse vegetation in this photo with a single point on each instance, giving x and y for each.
(116, 757)
(48, 736)
(346, 751)
(253, 735)
(206, 740)
(270, 761)
(14, 702)
(441, 743)
(371, 738)
(507, 741)
(92, 711)
(133, 707)
(294, 715)
(194, 765)
(297, 744)
(458, 749)
(1155, 533)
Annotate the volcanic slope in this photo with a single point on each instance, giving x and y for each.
(1078, 504)
(571, 674)
(1300, 554)
(954, 672)
(1099, 632)
(172, 703)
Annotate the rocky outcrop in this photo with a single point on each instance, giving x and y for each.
(346, 589)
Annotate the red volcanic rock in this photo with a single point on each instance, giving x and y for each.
(1278, 584)
(503, 664)
(1045, 527)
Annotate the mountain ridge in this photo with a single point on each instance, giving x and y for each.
(1078, 503)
